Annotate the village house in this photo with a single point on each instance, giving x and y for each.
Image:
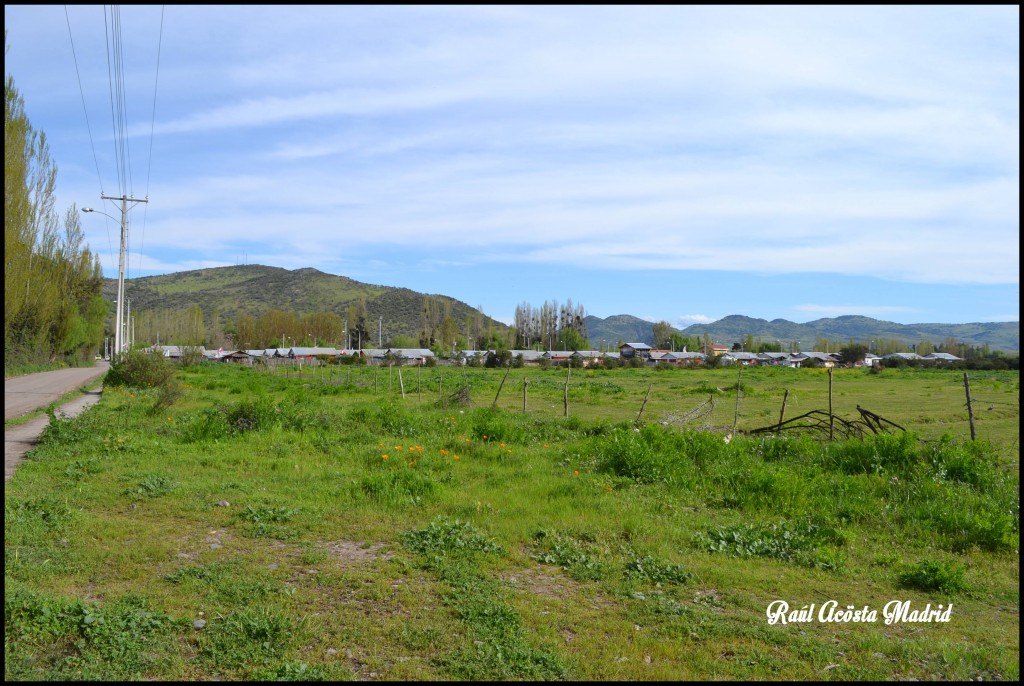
(630, 350)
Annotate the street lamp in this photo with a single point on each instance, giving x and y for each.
(119, 301)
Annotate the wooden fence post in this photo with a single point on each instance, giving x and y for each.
(501, 385)
(526, 385)
(970, 410)
(400, 384)
(565, 395)
(644, 404)
(782, 414)
(736, 415)
(831, 417)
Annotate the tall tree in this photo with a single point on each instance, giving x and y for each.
(52, 282)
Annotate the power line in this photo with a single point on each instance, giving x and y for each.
(88, 126)
(152, 128)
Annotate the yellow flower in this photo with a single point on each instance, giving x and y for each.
(456, 457)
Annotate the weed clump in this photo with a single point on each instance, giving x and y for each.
(442, 536)
(930, 575)
(802, 542)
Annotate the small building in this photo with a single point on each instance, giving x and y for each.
(740, 357)
(902, 356)
(532, 357)
(558, 356)
(236, 357)
(311, 354)
(588, 357)
(942, 357)
(630, 350)
(826, 359)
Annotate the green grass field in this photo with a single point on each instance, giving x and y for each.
(321, 526)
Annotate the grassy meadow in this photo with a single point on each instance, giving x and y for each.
(360, 523)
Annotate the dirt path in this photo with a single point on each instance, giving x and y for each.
(25, 394)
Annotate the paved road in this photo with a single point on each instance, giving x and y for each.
(23, 394)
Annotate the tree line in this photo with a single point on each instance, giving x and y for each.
(550, 326)
(53, 303)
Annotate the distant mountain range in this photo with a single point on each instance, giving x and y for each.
(735, 328)
(255, 289)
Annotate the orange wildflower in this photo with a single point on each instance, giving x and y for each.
(576, 472)
(383, 457)
(456, 456)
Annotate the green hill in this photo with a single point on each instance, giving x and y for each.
(255, 289)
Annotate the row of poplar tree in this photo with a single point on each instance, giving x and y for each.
(53, 303)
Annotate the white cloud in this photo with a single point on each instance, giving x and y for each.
(879, 142)
(685, 320)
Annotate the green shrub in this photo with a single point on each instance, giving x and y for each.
(139, 370)
(882, 454)
(930, 575)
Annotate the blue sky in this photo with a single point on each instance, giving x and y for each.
(675, 163)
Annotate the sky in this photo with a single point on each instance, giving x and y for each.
(675, 163)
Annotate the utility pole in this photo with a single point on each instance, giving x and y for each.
(119, 321)
(380, 333)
